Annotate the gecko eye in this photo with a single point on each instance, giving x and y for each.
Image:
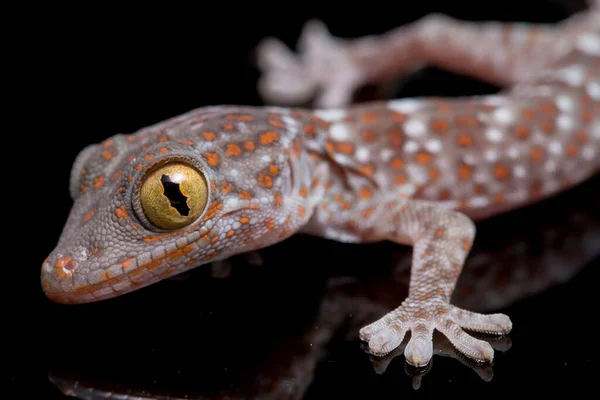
(173, 195)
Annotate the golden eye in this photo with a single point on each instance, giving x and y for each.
(174, 195)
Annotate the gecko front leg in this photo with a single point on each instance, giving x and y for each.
(441, 240)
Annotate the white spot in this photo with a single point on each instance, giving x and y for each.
(593, 89)
(491, 155)
(479, 201)
(362, 154)
(589, 43)
(330, 115)
(564, 122)
(503, 116)
(416, 174)
(494, 134)
(410, 146)
(596, 130)
(386, 155)
(550, 166)
(236, 225)
(405, 105)
(555, 147)
(266, 158)
(234, 172)
(573, 75)
(232, 202)
(264, 200)
(588, 152)
(415, 127)
(281, 158)
(564, 103)
(469, 159)
(339, 132)
(520, 171)
(290, 122)
(433, 145)
(493, 100)
(408, 189)
(513, 152)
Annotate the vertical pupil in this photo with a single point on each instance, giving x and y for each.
(173, 193)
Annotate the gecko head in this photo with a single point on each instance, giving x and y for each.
(146, 208)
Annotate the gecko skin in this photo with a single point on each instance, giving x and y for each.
(416, 171)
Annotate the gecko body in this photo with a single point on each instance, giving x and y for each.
(415, 171)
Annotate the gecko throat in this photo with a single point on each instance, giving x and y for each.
(173, 192)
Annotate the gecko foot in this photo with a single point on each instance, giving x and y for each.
(421, 317)
(322, 65)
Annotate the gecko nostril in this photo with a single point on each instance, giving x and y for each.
(65, 267)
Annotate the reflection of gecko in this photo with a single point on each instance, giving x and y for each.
(413, 171)
(566, 243)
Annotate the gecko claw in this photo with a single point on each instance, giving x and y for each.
(421, 319)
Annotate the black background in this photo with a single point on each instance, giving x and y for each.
(105, 71)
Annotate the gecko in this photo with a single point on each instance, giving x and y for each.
(225, 180)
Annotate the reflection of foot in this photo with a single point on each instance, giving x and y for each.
(322, 66)
(421, 317)
(442, 347)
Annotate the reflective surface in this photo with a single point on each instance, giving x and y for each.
(288, 328)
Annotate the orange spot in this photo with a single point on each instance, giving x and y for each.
(226, 187)
(465, 172)
(466, 244)
(434, 174)
(521, 131)
(444, 107)
(587, 115)
(249, 146)
(528, 114)
(572, 149)
(397, 116)
(83, 188)
(395, 137)
(368, 136)
(244, 195)
(301, 212)
(98, 182)
(270, 224)
(265, 180)
(549, 109)
(122, 189)
(230, 233)
(162, 139)
(130, 138)
(239, 117)
(149, 157)
(139, 167)
(212, 158)
(423, 157)
(186, 142)
(107, 154)
(127, 263)
(582, 136)
(164, 150)
(210, 136)
(276, 123)
(88, 216)
(397, 163)
(345, 147)
(444, 194)
(151, 239)
(464, 140)
(329, 146)
(131, 157)
(547, 126)
(369, 117)
(478, 188)
(466, 121)
(121, 212)
(129, 178)
(368, 212)
(273, 169)
(278, 199)
(228, 127)
(439, 125)
(268, 137)
(108, 143)
(233, 150)
(303, 191)
(499, 198)
(501, 172)
(439, 233)
(536, 154)
(345, 205)
(310, 130)
(244, 220)
(365, 193)
(366, 170)
(400, 179)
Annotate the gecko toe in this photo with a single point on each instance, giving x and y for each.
(475, 349)
(499, 324)
(386, 340)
